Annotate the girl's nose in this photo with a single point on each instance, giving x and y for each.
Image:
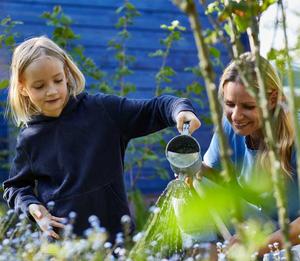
(51, 90)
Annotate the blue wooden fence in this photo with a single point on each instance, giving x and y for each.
(95, 21)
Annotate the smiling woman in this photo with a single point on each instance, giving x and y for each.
(242, 125)
(241, 110)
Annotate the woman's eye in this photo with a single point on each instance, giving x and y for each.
(251, 107)
(58, 81)
(229, 104)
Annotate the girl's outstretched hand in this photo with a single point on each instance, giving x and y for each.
(187, 116)
(45, 220)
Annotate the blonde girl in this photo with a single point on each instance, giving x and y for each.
(71, 148)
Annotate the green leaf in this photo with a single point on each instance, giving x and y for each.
(120, 56)
(4, 84)
(169, 90)
(121, 22)
(2, 38)
(56, 9)
(5, 21)
(140, 210)
(212, 7)
(157, 53)
(130, 6)
(242, 23)
(266, 4)
(66, 20)
(272, 54)
(227, 29)
(46, 15)
(168, 71)
(120, 9)
(195, 87)
(214, 52)
(124, 34)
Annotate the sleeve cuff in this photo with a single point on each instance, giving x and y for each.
(182, 105)
(25, 204)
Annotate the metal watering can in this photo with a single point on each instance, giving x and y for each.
(184, 154)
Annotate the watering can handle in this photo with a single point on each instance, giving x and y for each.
(185, 128)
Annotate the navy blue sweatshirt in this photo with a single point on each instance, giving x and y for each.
(77, 159)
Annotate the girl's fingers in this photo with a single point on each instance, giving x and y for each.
(188, 181)
(180, 121)
(56, 224)
(59, 219)
(194, 124)
(51, 233)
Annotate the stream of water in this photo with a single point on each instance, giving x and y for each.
(162, 236)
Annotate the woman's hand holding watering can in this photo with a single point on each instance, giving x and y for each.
(187, 116)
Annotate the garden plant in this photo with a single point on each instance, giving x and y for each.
(160, 237)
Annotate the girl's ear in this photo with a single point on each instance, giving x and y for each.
(272, 100)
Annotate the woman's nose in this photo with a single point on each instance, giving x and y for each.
(237, 114)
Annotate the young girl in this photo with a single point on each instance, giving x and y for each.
(242, 125)
(72, 144)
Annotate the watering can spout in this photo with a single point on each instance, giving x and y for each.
(184, 154)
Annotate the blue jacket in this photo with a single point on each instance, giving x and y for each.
(243, 159)
(77, 159)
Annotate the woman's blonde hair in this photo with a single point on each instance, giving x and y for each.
(282, 119)
(20, 107)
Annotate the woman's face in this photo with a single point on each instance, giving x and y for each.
(241, 110)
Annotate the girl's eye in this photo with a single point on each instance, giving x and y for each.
(58, 81)
(38, 87)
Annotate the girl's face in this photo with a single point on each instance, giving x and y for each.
(241, 110)
(44, 83)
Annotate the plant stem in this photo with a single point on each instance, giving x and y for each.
(209, 78)
(277, 178)
(205, 65)
(291, 80)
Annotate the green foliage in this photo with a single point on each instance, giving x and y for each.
(7, 38)
(4, 84)
(62, 33)
(64, 36)
(254, 236)
(7, 43)
(141, 151)
(140, 211)
(279, 57)
(166, 72)
(127, 13)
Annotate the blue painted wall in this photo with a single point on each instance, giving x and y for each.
(95, 21)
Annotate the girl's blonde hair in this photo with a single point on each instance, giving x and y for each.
(282, 119)
(27, 52)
